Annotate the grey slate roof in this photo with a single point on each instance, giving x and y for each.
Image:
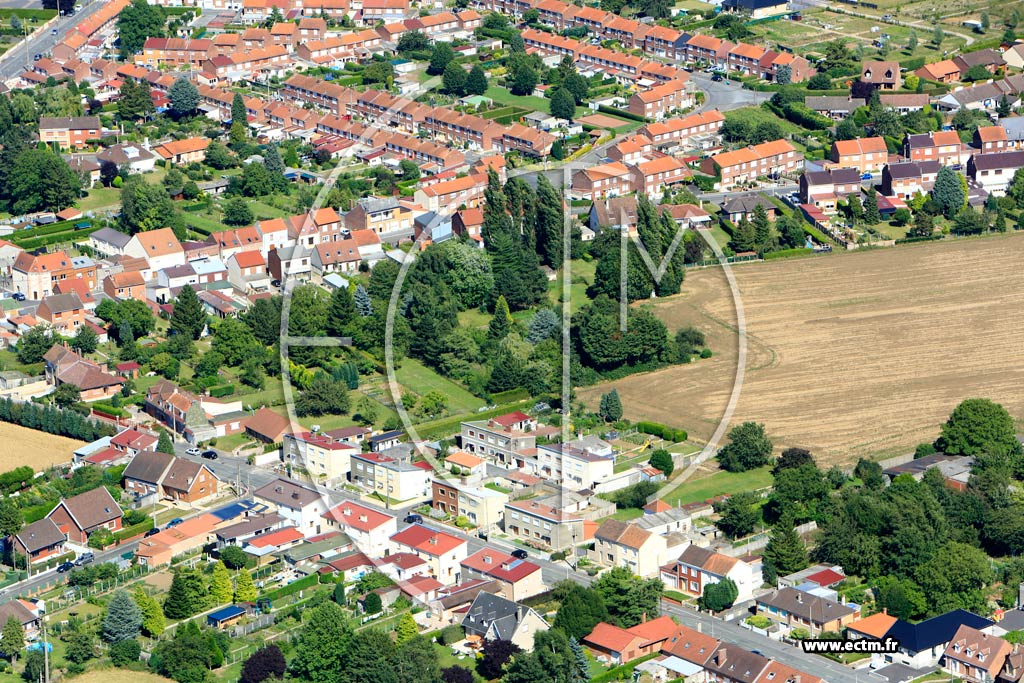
(41, 534)
(148, 467)
(745, 203)
(495, 615)
(111, 236)
(805, 605)
(287, 494)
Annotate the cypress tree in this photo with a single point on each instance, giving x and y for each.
(341, 311)
(220, 584)
(550, 223)
(871, 214)
(238, 110)
(165, 444)
(245, 589)
(188, 316)
(501, 324)
(496, 218)
(785, 552)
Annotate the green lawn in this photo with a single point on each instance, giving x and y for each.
(446, 659)
(420, 379)
(720, 483)
(100, 197)
(627, 514)
(542, 104)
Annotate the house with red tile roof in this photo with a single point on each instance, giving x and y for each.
(867, 155)
(518, 579)
(623, 544)
(125, 285)
(443, 552)
(697, 567)
(64, 366)
(369, 528)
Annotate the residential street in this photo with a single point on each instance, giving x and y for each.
(17, 58)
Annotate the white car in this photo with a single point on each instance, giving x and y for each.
(193, 451)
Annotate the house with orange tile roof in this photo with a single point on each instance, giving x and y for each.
(616, 645)
(186, 151)
(654, 176)
(605, 180)
(125, 285)
(867, 155)
(942, 146)
(448, 196)
(37, 276)
(874, 627)
(703, 49)
(745, 58)
(682, 130)
(945, 71)
(159, 247)
(799, 68)
(988, 139)
(466, 462)
(247, 271)
(696, 567)
(659, 101)
(745, 165)
(175, 52)
(623, 544)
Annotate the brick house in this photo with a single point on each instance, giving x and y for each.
(125, 285)
(696, 567)
(867, 155)
(64, 312)
(975, 656)
(81, 515)
(39, 540)
(173, 478)
(618, 645)
(64, 366)
(69, 132)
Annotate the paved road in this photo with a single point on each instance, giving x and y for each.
(731, 632)
(17, 58)
(726, 95)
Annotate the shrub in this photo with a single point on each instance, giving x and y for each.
(224, 390)
(124, 652)
(759, 621)
(667, 433)
(452, 634)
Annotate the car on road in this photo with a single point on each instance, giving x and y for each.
(36, 57)
(152, 532)
(84, 559)
(174, 522)
(717, 78)
(866, 176)
(210, 455)
(64, 567)
(414, 519)
(53, 31)
(519, 554)
(18, 296)
(193, 451)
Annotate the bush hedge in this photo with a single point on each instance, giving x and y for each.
(293, 587)
(667, 433)
(621, 113)
(133, 530)
(108, 410)
(787, 253)
(223, 390)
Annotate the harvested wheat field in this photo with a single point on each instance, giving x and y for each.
(850, 355)
(39, 450)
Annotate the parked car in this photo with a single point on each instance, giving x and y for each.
(866, 176)
(519, 554)
(174, 522)
(275, 283)
(717, 78)
(152, 532)
(36, 57)
(84, 559)
(18, 296)
(64, 567)
(53, 31)
(193, 451)
(210, 455)
(414, 519)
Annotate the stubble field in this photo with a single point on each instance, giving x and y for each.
(851, 355)
(39, 450)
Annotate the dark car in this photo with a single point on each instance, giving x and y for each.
(36, 57)
(209, 455)
(152, 532)
(520, 554)
(85, 559)
(717, 78)
(174, 522)
(414, 519)
(18, 296)
(275, 283)
(64, 567)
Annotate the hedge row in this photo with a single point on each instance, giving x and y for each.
(66, 236)
(293, 587)
(621, 113)
(911, 240)
(51, 229)
(224, 390)
(657, 429)
(787, 253)
(108, 410)
(133, 530)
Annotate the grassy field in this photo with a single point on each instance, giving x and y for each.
(542, 104)
(23, 446)
(119, 676)
(100, 198)
(420, 379)
(756, 115)
(717, 484)
(861, 354)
